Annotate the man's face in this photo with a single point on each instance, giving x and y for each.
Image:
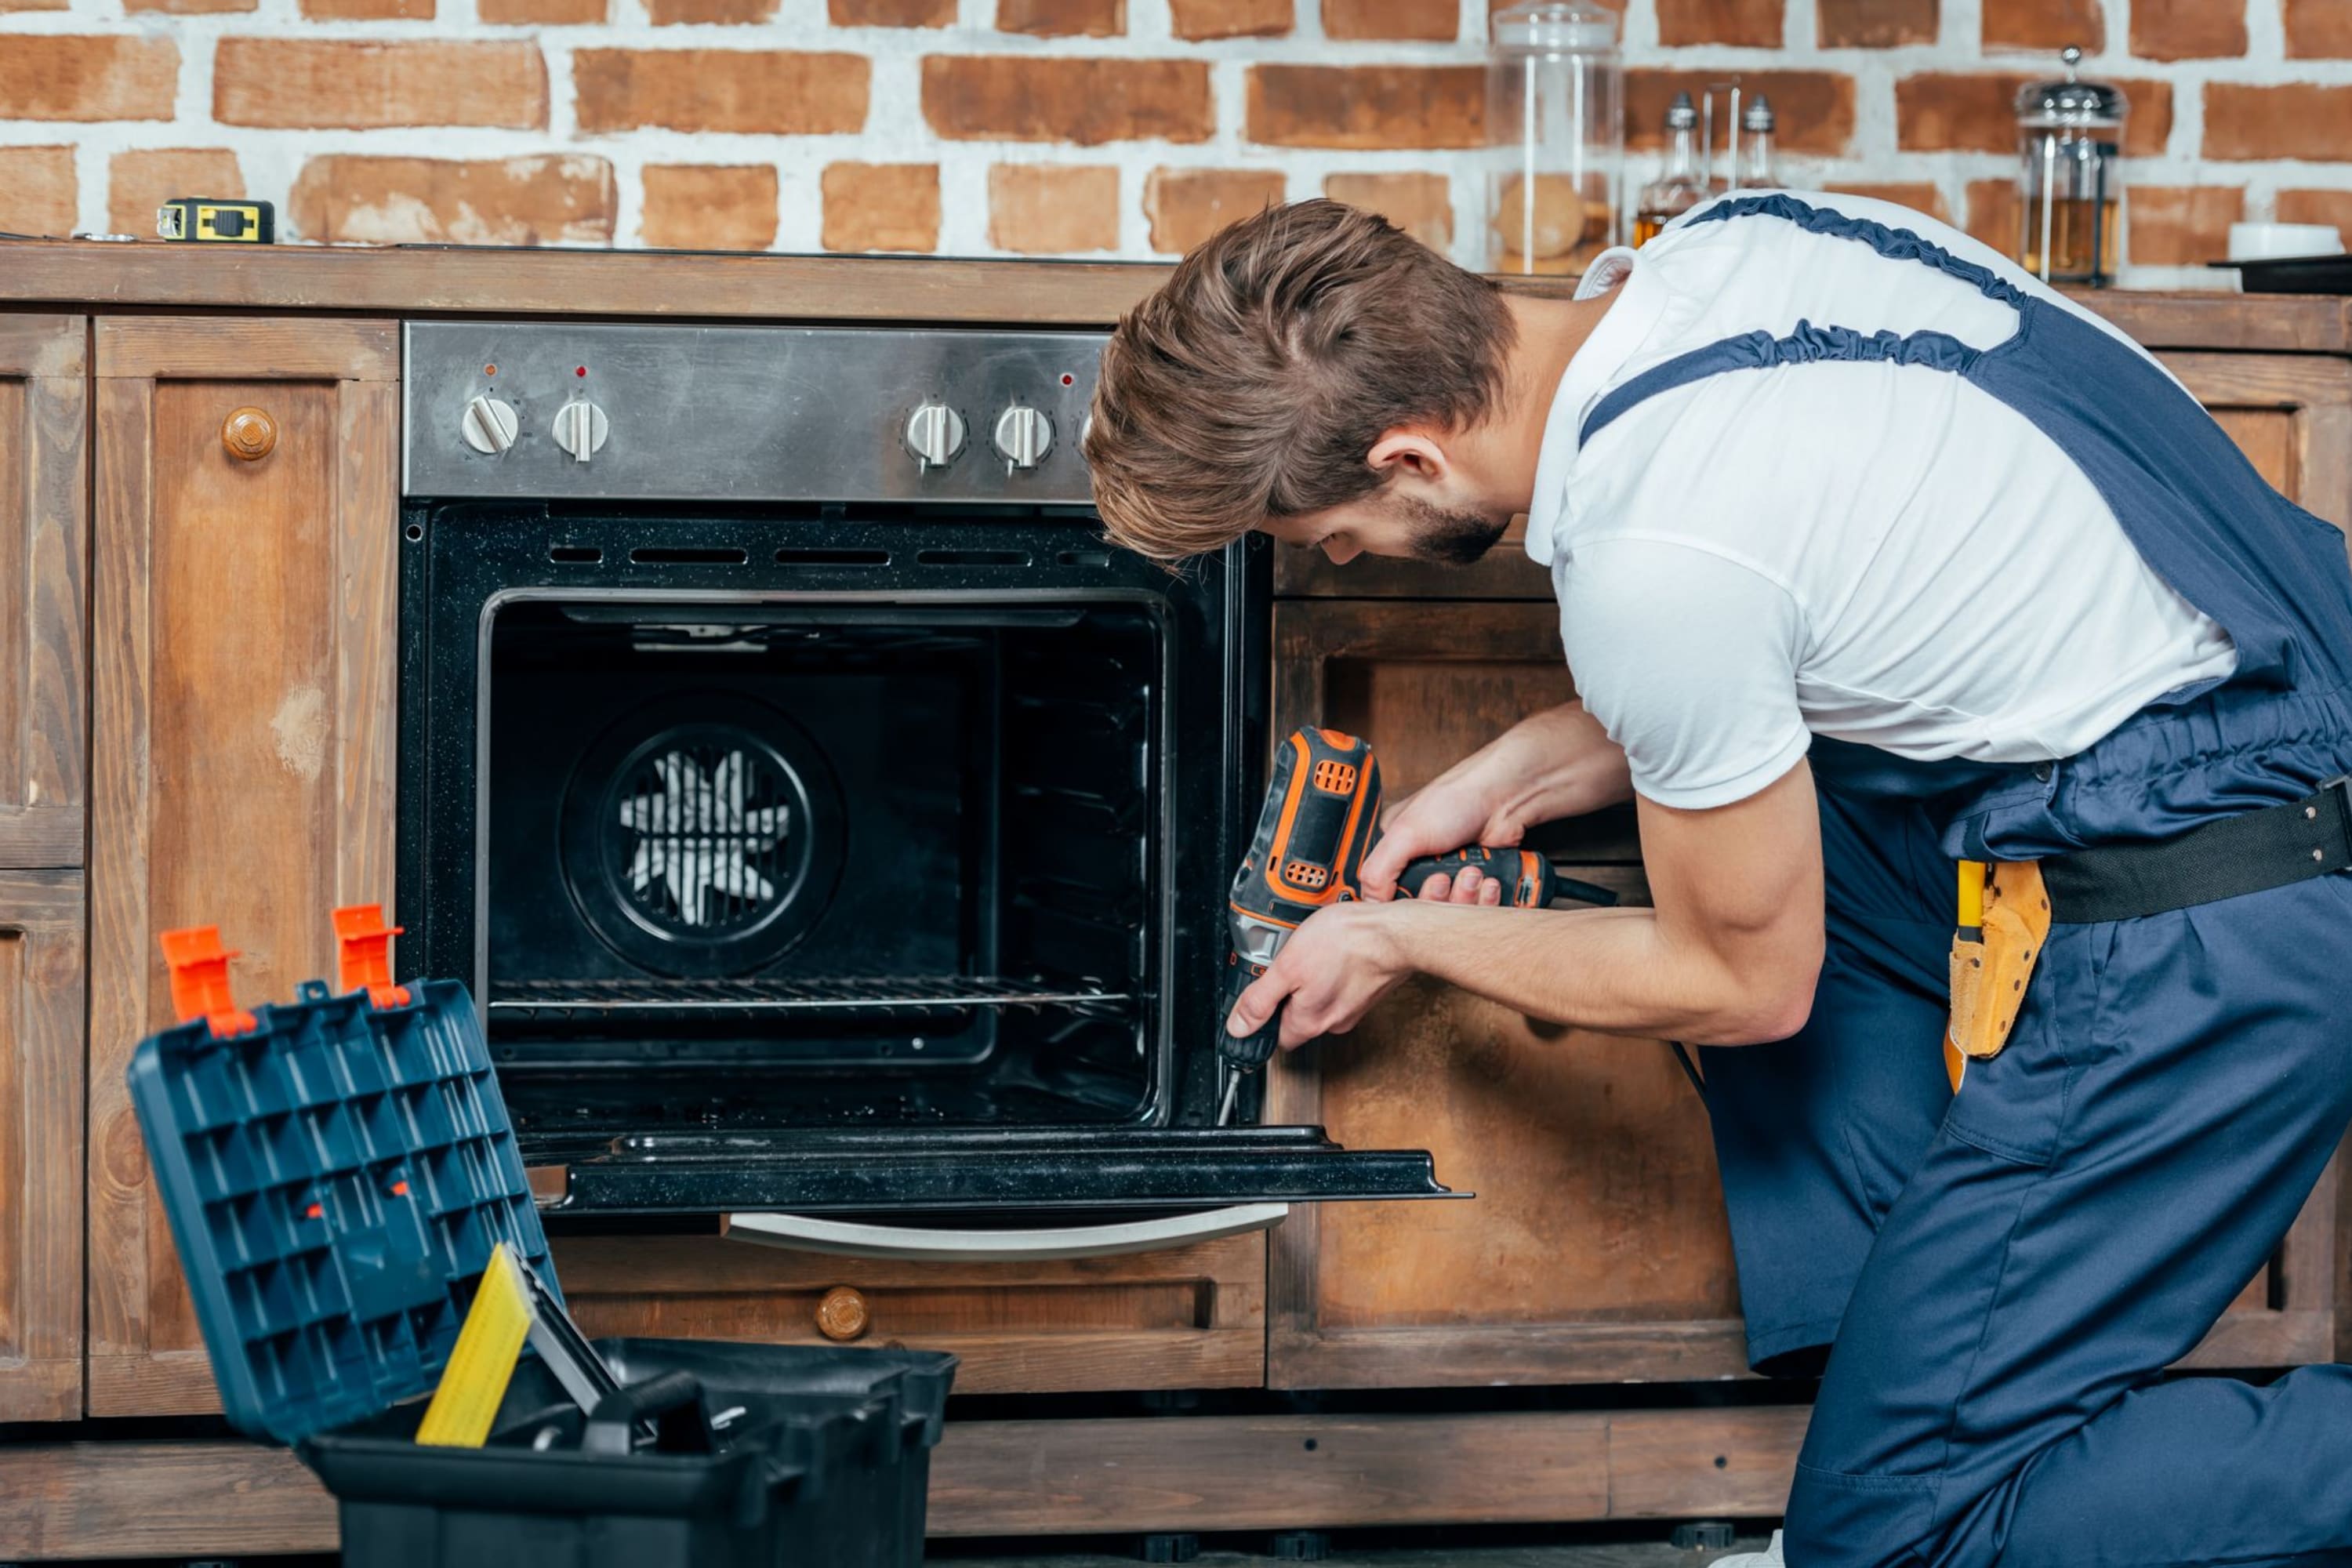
(1393, 520)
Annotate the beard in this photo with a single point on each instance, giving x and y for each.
(1450, 538)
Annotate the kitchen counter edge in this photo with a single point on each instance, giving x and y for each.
(694, 285)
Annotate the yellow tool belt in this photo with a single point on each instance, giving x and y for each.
(2004, 918)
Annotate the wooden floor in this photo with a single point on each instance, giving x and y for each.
(1614, 1556)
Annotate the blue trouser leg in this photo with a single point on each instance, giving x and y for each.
(1816, 1135)
(2096, 1196)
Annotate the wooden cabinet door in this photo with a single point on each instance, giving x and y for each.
(44, 583)
(40, 1145)
(2291, 414)
(1596, 1249)
(242, 727)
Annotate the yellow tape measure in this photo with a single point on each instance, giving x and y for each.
(483, 1360)
(210, 218)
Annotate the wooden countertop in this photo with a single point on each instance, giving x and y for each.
(464, 280)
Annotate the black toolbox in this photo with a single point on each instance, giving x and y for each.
(337, 1170)
(833, 1469)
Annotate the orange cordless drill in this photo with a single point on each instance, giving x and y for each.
(1321, 820)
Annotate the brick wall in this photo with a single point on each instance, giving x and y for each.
(1077, 127)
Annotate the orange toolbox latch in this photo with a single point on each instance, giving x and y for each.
(364, 955)
(199, 966)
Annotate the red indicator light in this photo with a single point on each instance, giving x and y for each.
(314, 1212)
(400, 1189)
(581, 371)
(489, 370)
(1068, 380)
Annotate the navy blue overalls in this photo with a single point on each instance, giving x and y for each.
(2005, 1273)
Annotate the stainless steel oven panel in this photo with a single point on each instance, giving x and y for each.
(742, 413)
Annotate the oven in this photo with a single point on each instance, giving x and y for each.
(828, 824)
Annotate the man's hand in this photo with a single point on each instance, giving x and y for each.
(1339, 961)
(1557, 763)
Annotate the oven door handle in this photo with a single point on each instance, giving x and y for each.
(852, 1239)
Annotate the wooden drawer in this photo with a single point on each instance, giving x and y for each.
(1190, 1318)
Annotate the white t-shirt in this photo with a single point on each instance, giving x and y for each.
(1877, 552)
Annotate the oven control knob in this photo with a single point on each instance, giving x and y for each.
(935, 434)
(1024, 436)
(580, 428)
(488, 426)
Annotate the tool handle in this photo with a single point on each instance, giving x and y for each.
(1528, 881)
(1248, 1051)
(1524, 873)
(670, 1402)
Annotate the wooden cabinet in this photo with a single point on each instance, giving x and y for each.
(1191, 1317)
(44, 584)
(242, 727)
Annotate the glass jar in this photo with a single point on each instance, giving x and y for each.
(2069, 177)
(1556, 127)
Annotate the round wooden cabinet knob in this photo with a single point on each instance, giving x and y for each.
(250, 435)
(843, 1315)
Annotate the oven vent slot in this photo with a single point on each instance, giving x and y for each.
(1095, 558)
(574, 554)
(688, 555)
(973, 557)
(583, 1001)
(790, 556)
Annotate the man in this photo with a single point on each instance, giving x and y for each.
(1874, 557)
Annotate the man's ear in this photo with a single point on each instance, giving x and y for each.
(1409, 452)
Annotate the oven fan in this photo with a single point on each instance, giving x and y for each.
(702, 836)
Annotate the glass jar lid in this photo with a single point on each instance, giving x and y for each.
(2072, 101)
(1549, 27)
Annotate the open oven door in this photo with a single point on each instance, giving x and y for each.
(991, 1173)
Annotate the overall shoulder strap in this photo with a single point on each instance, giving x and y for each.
(1810, 345)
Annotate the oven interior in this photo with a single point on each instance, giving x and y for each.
(823, 865)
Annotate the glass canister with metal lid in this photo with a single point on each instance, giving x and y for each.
(2069, 177)
(1555, 118)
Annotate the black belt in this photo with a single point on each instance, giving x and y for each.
(2248, 853)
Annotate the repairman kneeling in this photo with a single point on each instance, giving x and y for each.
(1879, 565)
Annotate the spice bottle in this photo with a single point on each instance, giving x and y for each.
(1683, 185)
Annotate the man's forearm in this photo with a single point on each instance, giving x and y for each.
(1615, 970)
(1578, 768)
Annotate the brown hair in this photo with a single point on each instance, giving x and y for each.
(1255, 384)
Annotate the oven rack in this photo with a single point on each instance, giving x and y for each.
(876, 997)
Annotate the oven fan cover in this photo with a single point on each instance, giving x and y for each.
(702, 835)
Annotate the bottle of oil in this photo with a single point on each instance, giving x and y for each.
(1753, 168)
(1683, 185)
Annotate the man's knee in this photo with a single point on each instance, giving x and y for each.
(1840, 1520)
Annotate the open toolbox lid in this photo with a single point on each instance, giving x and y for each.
(336, 1171)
